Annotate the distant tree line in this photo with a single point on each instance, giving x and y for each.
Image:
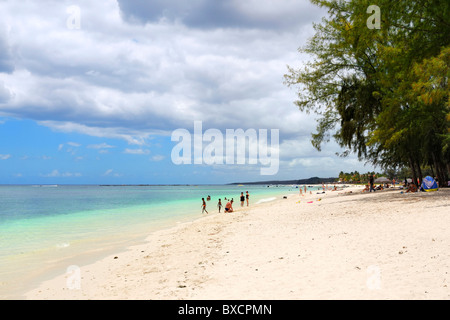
(356, 177)
(399, 174)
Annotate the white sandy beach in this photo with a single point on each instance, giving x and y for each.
(383, 245)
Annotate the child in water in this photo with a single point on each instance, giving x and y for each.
(219, 205)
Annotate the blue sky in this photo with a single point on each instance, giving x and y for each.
(90, 92)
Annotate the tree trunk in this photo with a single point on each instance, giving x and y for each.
(419, 171)
(443, 173)
(440, 173)
(413, 170)
(432, 170)
(448, 169)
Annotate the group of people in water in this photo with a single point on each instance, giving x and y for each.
(324, 188)
(229, 204)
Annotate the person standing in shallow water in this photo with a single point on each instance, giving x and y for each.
(219, 205)
(242, 199)
(247, 196)
(204, 206)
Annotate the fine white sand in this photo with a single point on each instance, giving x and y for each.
(383, 245)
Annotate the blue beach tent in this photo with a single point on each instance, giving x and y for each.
(428, 184)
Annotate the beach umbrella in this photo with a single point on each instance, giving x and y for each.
(382, 180)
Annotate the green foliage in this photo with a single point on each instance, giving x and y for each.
(356, 177)
(381, 93)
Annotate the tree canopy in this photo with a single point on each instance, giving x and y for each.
(382, 93)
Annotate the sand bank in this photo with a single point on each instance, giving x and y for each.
(383, 245)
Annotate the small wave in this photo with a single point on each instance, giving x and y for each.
(63, 245)
(266, 200)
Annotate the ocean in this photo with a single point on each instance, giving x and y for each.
(46, 228)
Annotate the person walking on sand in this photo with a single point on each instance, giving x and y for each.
(219, 205)
(247, 196)
(242, 199)
(371, 183)
(204, 206)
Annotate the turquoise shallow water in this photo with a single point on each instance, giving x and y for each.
(43, 228)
